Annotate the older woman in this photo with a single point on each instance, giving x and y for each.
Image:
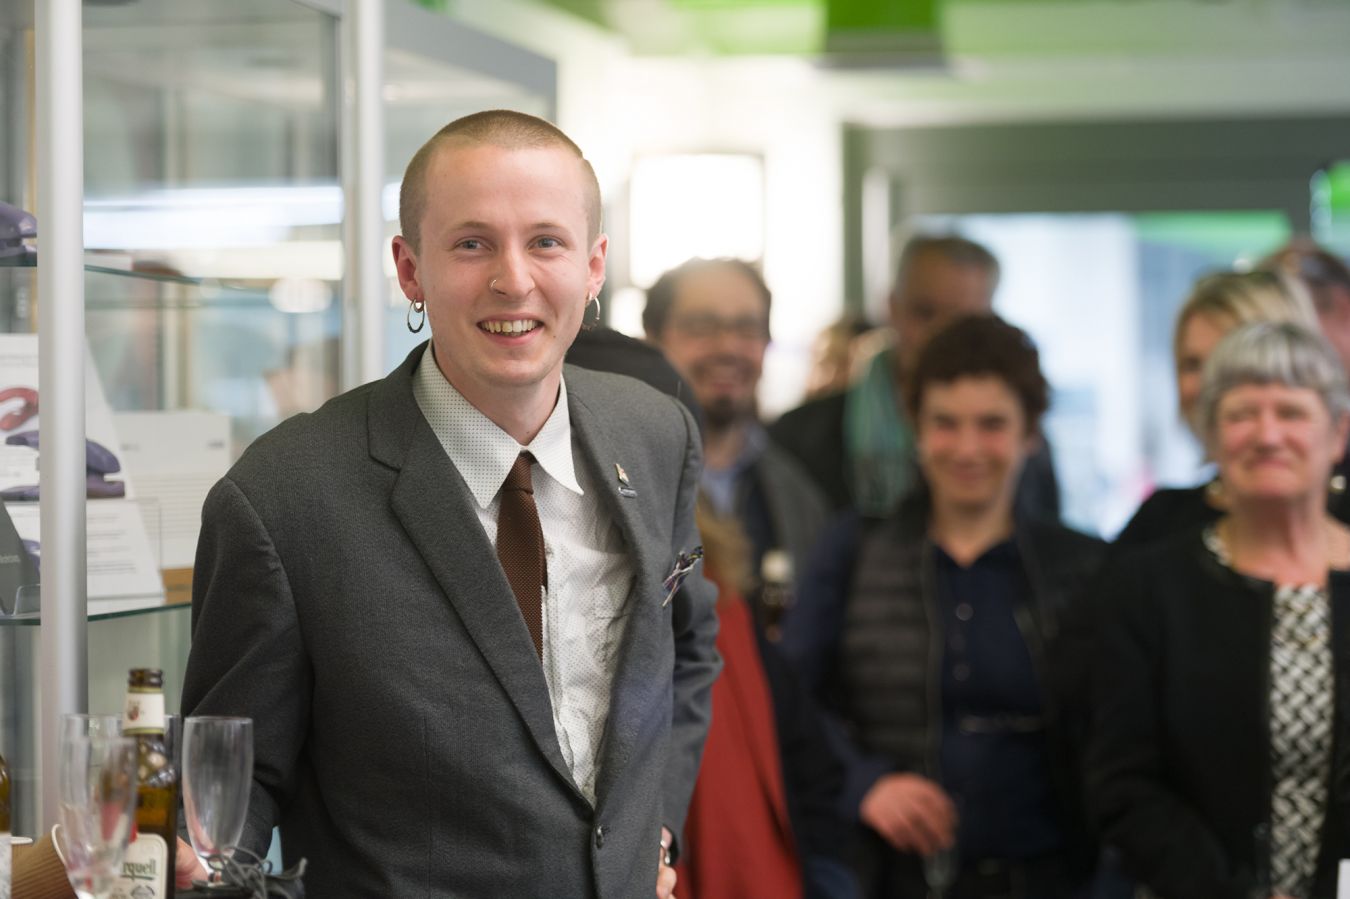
(1219, 684)
(1218, 304)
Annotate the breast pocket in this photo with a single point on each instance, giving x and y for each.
(607, 623)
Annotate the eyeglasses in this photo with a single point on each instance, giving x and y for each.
(706, 327)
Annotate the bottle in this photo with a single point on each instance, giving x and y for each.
(148, 870)
(775, 593)
(4, 829)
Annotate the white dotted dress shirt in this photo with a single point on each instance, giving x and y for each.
(589, 573)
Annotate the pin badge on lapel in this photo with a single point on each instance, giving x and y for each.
(625, 488)
(685, 563)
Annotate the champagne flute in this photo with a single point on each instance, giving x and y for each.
(217, 779)
(942, 867)
(939, 872)
(96, 787)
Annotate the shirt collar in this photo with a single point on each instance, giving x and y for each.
(481, 451)
(754, 442)
(1001, 555)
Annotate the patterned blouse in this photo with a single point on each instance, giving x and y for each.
(1301, 712)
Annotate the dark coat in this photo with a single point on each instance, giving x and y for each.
(1179, 766)
(862, 636)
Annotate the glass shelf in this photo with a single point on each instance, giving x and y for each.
(104, 610)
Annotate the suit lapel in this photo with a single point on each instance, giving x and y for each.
(432, 502)
(639, 686)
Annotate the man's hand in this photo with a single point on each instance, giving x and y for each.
(665, 874)
(912, 813)
(186, 867)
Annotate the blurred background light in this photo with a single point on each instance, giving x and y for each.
(700, 204)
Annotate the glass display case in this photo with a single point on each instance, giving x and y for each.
(213, 210)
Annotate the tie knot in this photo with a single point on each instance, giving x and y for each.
(518, 478)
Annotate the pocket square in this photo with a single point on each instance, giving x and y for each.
(685, 563)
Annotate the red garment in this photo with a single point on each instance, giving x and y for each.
(738, 841)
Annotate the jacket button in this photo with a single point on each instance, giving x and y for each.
(600, 837)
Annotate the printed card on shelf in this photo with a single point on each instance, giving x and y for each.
(121, 563)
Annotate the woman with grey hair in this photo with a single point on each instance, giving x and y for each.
(1213, 763)
(1218, 304)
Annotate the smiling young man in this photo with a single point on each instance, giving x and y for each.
(441, 596)
(936, 638)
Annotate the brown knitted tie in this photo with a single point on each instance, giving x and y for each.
(520, 546)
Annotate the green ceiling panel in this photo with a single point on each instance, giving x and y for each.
(882, 15)
(881, 29)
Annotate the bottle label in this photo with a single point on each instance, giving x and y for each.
(145, 871)
(143, 714)
(4, 865)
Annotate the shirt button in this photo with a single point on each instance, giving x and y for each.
(600, 837)
(961, 671)
(964, 612)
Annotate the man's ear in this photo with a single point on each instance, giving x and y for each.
(595, 264)
(405, 264)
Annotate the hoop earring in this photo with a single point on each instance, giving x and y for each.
(420, 307)
(595, 298)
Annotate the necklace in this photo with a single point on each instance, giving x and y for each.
(1335, 546)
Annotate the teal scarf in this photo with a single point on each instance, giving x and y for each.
(878, 441)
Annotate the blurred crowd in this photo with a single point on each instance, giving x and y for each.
(935, 688)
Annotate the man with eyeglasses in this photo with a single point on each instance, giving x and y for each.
(711, 318)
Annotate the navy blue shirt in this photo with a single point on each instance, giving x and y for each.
(994, 758)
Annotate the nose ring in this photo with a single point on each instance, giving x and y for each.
(492, 285)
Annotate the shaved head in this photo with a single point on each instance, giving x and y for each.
(498, 127)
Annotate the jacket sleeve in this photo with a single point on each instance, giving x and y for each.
(812, 633)
(247, 655)
(694, 630)
(1165, 842)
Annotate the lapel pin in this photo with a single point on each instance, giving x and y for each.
(625, 488)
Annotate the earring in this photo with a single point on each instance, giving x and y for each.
(420, 307)
(1214, 494)
(1337, 484)
(595, 298)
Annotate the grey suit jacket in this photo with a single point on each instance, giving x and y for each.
(347, 599)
